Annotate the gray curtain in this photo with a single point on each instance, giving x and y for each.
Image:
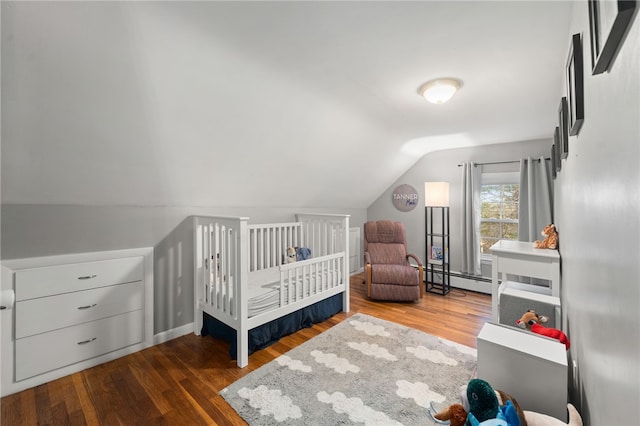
(470, 219)
(536, 198)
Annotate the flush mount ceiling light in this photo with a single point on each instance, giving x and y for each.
(440, 90)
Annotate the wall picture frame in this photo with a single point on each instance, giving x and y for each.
(557, 150)
(554, 173)
(608, 23)
(563, 134)
(575, 85)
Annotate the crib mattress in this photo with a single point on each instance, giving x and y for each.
(264, 291)
(263, 298)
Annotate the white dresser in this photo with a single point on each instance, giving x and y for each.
(75, 311)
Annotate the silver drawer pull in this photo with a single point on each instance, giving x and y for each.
(84, 342)
(87, 277)
(87, 306)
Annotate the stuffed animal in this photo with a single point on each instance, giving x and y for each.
(551, 238)
(453, 415)
(456, 414)
(481, 405)
(303, 253)
(484, 406)
(531, 321)
(290, 255)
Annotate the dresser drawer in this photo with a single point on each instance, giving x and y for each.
(48, 351)
(47, 281)
(50, 313)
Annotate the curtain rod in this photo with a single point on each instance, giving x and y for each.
(501, 162)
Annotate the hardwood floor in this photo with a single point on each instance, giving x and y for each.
(177, 382)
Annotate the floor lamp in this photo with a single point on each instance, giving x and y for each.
(436, 202)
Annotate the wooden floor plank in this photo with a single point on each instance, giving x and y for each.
(178, 382)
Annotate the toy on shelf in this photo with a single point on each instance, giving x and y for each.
(531, 321)
(551, 238)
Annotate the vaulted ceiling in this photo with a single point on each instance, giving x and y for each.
(298, 104)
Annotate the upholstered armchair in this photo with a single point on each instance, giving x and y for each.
(388, 273)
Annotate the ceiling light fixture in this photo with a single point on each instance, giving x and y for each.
(440, 90)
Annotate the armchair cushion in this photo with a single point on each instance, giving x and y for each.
(394, 274)
(388, 254)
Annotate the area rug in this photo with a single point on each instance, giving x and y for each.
(362, 371)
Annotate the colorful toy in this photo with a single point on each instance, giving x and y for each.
(531, 321)
(481, 405)
(456, 414)
(551, 238)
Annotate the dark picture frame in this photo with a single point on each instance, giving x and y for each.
(554, 173)
(575, 85)
(608, 23)
(557, 150)
(563, 134)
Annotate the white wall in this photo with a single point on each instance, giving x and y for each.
(598, 215)
(157, 103)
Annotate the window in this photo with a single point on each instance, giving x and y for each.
(499, 210)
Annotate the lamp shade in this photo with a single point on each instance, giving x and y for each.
(436, 194)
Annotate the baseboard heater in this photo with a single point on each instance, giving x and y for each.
(469, 282)
(470, 277)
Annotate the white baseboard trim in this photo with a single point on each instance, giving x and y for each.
(165, 336)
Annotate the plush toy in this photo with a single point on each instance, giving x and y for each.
(303, 253)
(481, 405)
(531, 321)
(290, 255)
(453, 415)
(551, 238)
(456, 414)
(484, 406)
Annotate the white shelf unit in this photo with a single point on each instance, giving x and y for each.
(522, 259)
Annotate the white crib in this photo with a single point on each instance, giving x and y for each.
(242, 281)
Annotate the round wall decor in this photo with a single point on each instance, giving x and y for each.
(404, 198)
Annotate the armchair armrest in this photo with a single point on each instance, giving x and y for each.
(420, 271)
(414, 257)
(367, 272)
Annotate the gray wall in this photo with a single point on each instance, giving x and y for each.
(443, 166)
(598, 215)
(44, 230)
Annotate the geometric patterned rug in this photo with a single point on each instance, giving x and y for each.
(364, 370)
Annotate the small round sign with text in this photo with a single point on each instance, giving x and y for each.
(405, 198)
